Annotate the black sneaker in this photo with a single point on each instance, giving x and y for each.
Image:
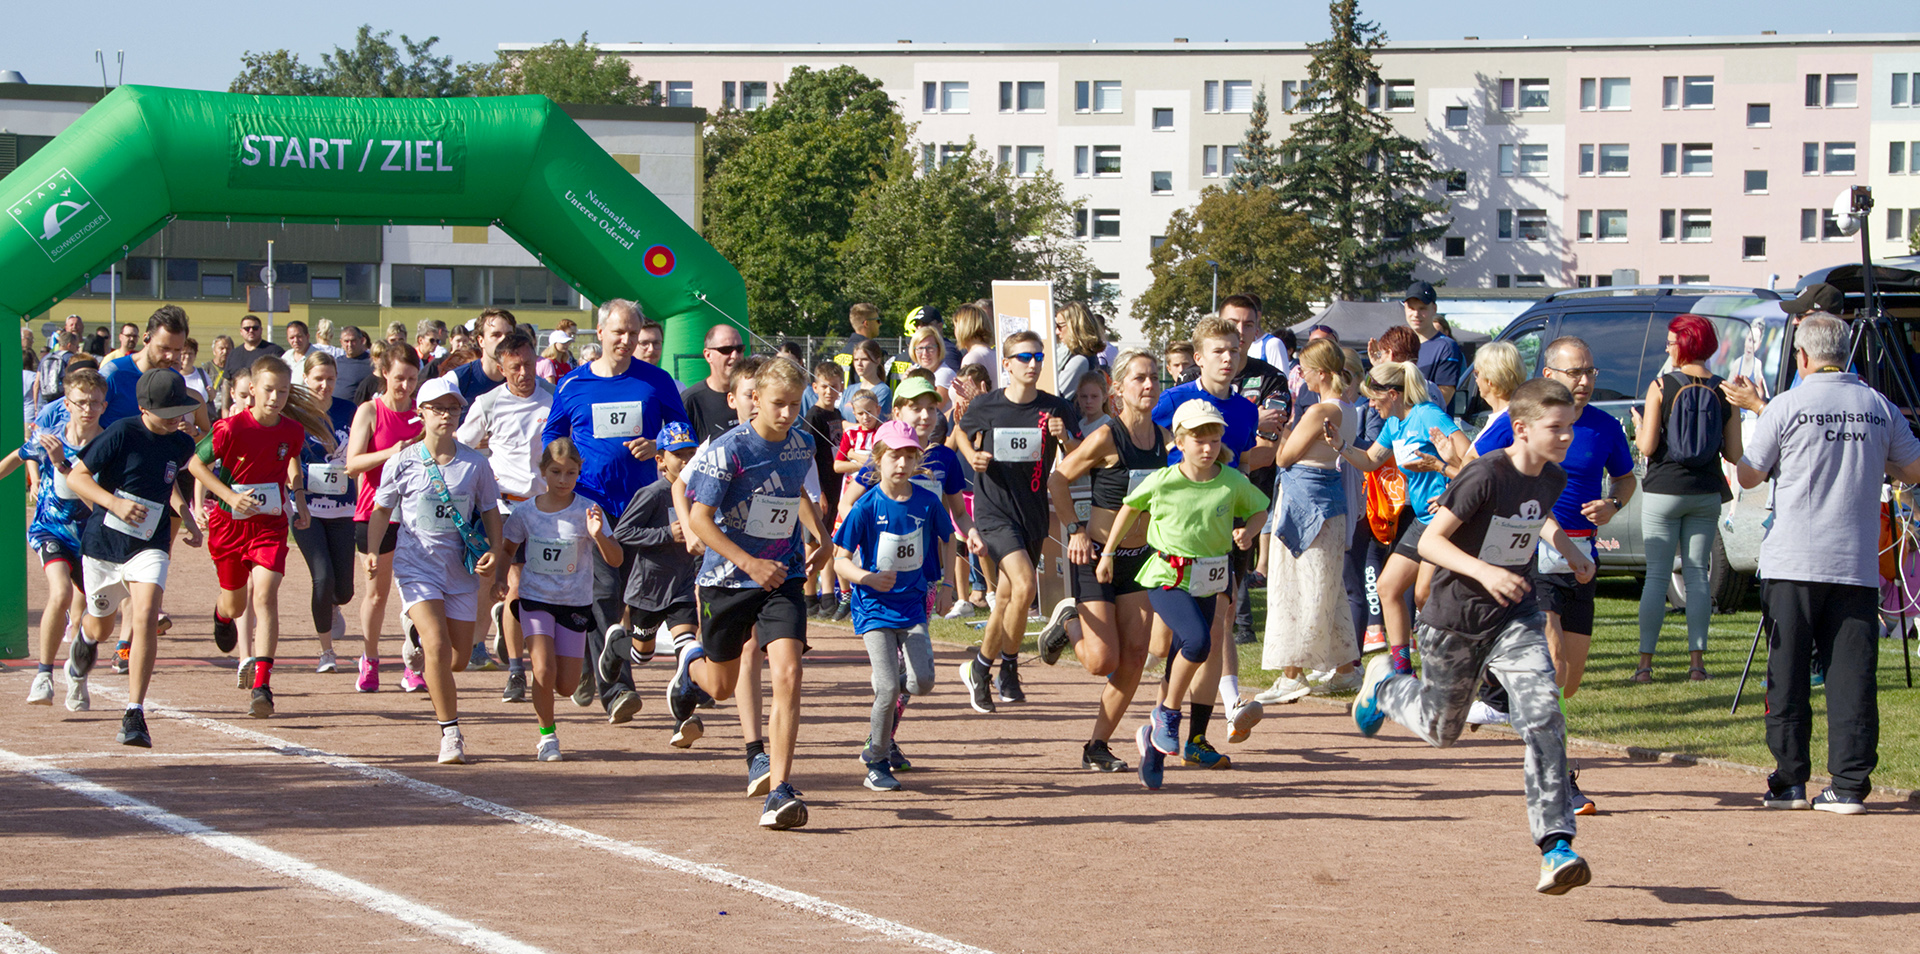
(974, 674)
(1053, 638)
(813, 606)
(516, 690)
(1245, 636)
(133, 729)
(1784, 796)
(1839, 803)
(1096, 755)
(262, 704)
(1008, 682)
(226, 634)
(81, 657)
(680, 699)
(619, 643)
(844, 610)
(880, 777)
(783, 809)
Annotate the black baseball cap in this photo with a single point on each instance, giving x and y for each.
(1421, 290)
(163, 393)
(1817, 297)
(929, 315)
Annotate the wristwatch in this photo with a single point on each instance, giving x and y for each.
(1078, 526)
(1617, 505)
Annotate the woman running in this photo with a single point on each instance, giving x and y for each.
(328, 499)
(382, 428)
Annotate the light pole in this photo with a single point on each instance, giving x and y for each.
(1216, 284)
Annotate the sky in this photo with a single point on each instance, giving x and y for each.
(197, 44)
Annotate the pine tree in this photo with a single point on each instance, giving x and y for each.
(1259, 165)
(1363, 184)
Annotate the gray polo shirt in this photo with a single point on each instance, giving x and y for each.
(1827, 444)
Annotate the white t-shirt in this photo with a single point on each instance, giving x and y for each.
(559, 566)
(984, 357)
(430, 547)
(512, 425)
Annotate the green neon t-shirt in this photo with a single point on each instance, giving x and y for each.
(1192, 518)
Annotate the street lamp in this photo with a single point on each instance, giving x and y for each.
(1216, 284)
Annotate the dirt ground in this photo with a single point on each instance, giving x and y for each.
(1316, 838)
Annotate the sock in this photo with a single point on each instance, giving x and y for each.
(262, 671)
(46, 667)
(682, 640)
(516, 667)
(546, 730)
(450, 727)
(980, 659)
(1230, 690)
(135, 707)
(217, 618)
(1010, 658)
(1402, 659)
(756, 747)
(1555, 842)
(1202, 714)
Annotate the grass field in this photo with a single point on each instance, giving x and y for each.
(1671, 714)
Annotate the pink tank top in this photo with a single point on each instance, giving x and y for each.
(389, 428)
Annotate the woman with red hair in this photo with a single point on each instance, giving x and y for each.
(1688, 428)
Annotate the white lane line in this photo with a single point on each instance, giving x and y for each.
(148, 754)
(419, 915)
(14, 942)
(713, 873)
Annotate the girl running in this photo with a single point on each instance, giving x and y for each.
(58, 516)
(555, 608)
(383, 427)
(327, 497)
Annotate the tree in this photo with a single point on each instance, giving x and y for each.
(1261, 247)
(374, 67)
(1259, 165)
(563, 72)
(1357, 178)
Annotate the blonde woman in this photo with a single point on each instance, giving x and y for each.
(1081, 346)
(930, 352)
(973, 334)
(1498, 369)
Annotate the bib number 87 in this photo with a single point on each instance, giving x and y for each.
(616, 417)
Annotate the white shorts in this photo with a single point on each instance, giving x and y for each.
(107, 582)
(457, 606)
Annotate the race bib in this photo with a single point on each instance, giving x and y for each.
(1016, 445)
(1406, 451)
(773, 518)
(553, 557)
(328, 478)
(1136, 477)
(436, 516)
(1207, 576)
(899, 552)
(1550, 559)
(620, 420)
(1510, 541)
(266, 495)
(142, 530)
(931, 483)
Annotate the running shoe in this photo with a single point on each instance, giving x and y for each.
(1007, 684)
(1153, 765)
(78, 698)
(133, 729)
(549, 750)
(1053, 638)
(813, 606)
(1200, 752)
(122, 658)
(619, 643)
(1817, 680)
(161, 623)
(41, 693)
(1482, 714)
(226, 634)
(625, 704)
(516, 690)
(880, 777)
(1582, 805)
(896, 759)
(973, 673)
(840, 614)
(759, 775)
(1284, 690)
(1367, 716)
(1339, 682)
(262, 705)
(587, 690)
(243, 674)
(1375, 641)
(1098, 757)
(81, 656)
(702, 700)
(1784, 796)
(453, 748)
(1166, 730)
(961, 610)
(412, 681)
(1839, 803)
(1561, 870)
(412, 655)
(369, 680)
(784, 809)
(687, 731)
(681, 700)
(1244, 635)
(1242, 718)
(499, 614)
(328, 663)
(479, 660)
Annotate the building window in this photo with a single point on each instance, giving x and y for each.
(1399, 95)
(1082, 161)
(1238, 96)
(1457, 180)
(1696, 159)
(1756, 182)
(1523, 94)
(1155, 242)
(1585, 232)
(1753, 248)
(1695, 280)
(1842, 90)
(1097, 96)
(1696, 225)
(1587, 163)
(1161, 183)
(1162, 118)
(1894, 231)
(1686, 92)
(1106, 282)
(1210, 162)
(1210, 98)
(1613, 225)
(1613, 159)
(1839, 159)
(1024, 97)
(929, 97)
(726, 95)
(1896, 158)
(1529, 281)
(1456, 246)
(1503, 281)
(1230, 160)
(1106, 224)
(1526, 159)
(1759, 115)
(1817, 225)
(680, 94)
(1809, 158)
(1809, 225)
(926, 158)
(1106, 160)
(753, 95)
(1905, 89)
(1079, 223)
(1607, 92)
(1456, 117)
(1525, 225)
(1583, 281)
(953, 97)
(1028, 161)
(1669, 225)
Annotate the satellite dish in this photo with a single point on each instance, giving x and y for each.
(1847, 220)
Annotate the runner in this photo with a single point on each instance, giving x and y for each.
(552, 607)
(1011, 437)
(444, 494)
(383, 427)
(1113, 622)
(1195, 503)
(660, 588)
(326, 496)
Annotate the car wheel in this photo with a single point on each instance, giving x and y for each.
(1728, 586)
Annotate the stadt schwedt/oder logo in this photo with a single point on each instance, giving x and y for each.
(60, 214)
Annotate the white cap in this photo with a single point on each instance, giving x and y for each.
(1195, 413)
(557, 337)
(436, 389)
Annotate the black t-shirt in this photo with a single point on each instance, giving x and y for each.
(128, 458)
(1014, 486)
(369, 386)
(708, 411)
(824, 425)
(1501, 511)
(1670, 476)
(1256, 382)
(240, 359)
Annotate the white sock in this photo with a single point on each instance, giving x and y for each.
(1230, 690)
(339, 628)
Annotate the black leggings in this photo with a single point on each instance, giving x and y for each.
(327, 545)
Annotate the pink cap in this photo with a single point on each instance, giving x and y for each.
(897, 434)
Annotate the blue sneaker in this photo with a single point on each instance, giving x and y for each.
(1166, 730)
(784, 809)
(80, 657)
(1367, 716)
(681, 682)
(1561, 870)
(1153, 765)
(759, 775)
(1817, 680)
(1202, 753)
(1839, 803)
(1784, 796)
(880, 778)
(896, 759)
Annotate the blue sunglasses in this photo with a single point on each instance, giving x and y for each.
(1028, 356)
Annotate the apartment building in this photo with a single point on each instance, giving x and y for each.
(1664, 158)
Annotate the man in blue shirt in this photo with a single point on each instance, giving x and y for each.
(166, 342)
(478, 377)
(1440, 358)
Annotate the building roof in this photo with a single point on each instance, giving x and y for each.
(911, 48)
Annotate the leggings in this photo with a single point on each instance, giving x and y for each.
(1365, 558)
(1680, 523)
(902, 662)
(327, 544)
(1188, 618)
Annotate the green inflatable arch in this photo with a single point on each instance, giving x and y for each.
(146, 155)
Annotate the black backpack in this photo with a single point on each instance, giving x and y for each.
(1694, 422)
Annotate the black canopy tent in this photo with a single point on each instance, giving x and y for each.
(1357, 321)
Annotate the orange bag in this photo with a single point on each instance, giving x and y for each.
(1386, 497)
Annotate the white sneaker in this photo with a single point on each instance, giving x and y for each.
(411, 652)
(78, 698)
(1340, 682)
(1285, 689)
(453, 748)
(1242, 718)
(1482, 714)
(961, 610)
(327, 663)
(42, 692)
(549, 750)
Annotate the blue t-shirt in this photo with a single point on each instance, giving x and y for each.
(886, 534)
(52, 417)
(1599, 451)
(127, 459)
(340, 414)
(1410, 432)
(471, 378)
(755, 487)
(58, 513)
(943, 472)
(123, 384)
(1441, 361)
(1243, 419)
(609, 475)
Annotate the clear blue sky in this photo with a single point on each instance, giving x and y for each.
(191, 43)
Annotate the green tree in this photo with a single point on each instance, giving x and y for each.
(1259, 165)
(1359, 180)
(374, 67)
(1261, 247)
(561, 71)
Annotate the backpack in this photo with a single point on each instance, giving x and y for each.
(53, 373)
(1694, 422)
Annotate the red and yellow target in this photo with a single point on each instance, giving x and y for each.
(658, 260)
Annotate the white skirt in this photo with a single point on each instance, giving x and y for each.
(1309, 623)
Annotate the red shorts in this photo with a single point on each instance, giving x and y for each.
(237, 546)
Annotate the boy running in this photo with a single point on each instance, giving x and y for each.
(58, 516)
(660, 589)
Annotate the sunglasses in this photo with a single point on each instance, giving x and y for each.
(249, 327)
(1028, 356)
(728, 349)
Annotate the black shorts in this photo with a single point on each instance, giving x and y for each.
(576, 618)
(646, 622)
(1563, 593)
(729, 616)
(53, 551)
(1408, 544)
(1005, 538)
(386, 545)
(1087, 588)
